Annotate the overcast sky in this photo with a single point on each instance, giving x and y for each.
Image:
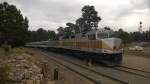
(50, 14)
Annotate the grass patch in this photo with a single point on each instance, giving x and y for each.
(28, 51)
(18, 50)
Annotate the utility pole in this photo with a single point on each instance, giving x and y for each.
(140, 31)
(149, 34)
(140, 27)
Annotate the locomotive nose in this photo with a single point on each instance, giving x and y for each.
(116, 43)
(111, 44)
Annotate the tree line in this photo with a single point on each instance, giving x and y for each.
(128, 37)
(14, 27)
(41, 35)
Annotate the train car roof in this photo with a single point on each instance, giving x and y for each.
(39, 42)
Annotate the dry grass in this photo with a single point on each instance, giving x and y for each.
(4, 68)
(1, 52)
(18, 50)
(15, 52)
(20, 59)
(4, 73)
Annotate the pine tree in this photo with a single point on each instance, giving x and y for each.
(13, 26)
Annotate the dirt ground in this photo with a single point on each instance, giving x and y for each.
(137, 59)
(132, 59)
(136, 62)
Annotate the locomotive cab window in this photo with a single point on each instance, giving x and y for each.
(102, 35)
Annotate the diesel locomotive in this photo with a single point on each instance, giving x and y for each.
(98, 45)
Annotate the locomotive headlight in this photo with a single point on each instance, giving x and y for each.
(103, 50)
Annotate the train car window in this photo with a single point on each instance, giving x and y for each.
(72, 36)
(88, 37)
(92, 37)
(83, 35)
(112, 35)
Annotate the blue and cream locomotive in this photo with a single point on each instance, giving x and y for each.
(98, 45)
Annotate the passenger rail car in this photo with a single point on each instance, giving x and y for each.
(98, 45)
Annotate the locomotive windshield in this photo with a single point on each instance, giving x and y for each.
(102, 35)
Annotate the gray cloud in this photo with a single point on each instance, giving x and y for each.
(50, 14)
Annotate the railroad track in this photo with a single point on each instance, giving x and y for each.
(133, 71)
(97, 78)
(126, 76)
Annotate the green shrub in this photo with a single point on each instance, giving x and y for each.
(6, 48)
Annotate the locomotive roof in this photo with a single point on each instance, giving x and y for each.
(99, 31)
